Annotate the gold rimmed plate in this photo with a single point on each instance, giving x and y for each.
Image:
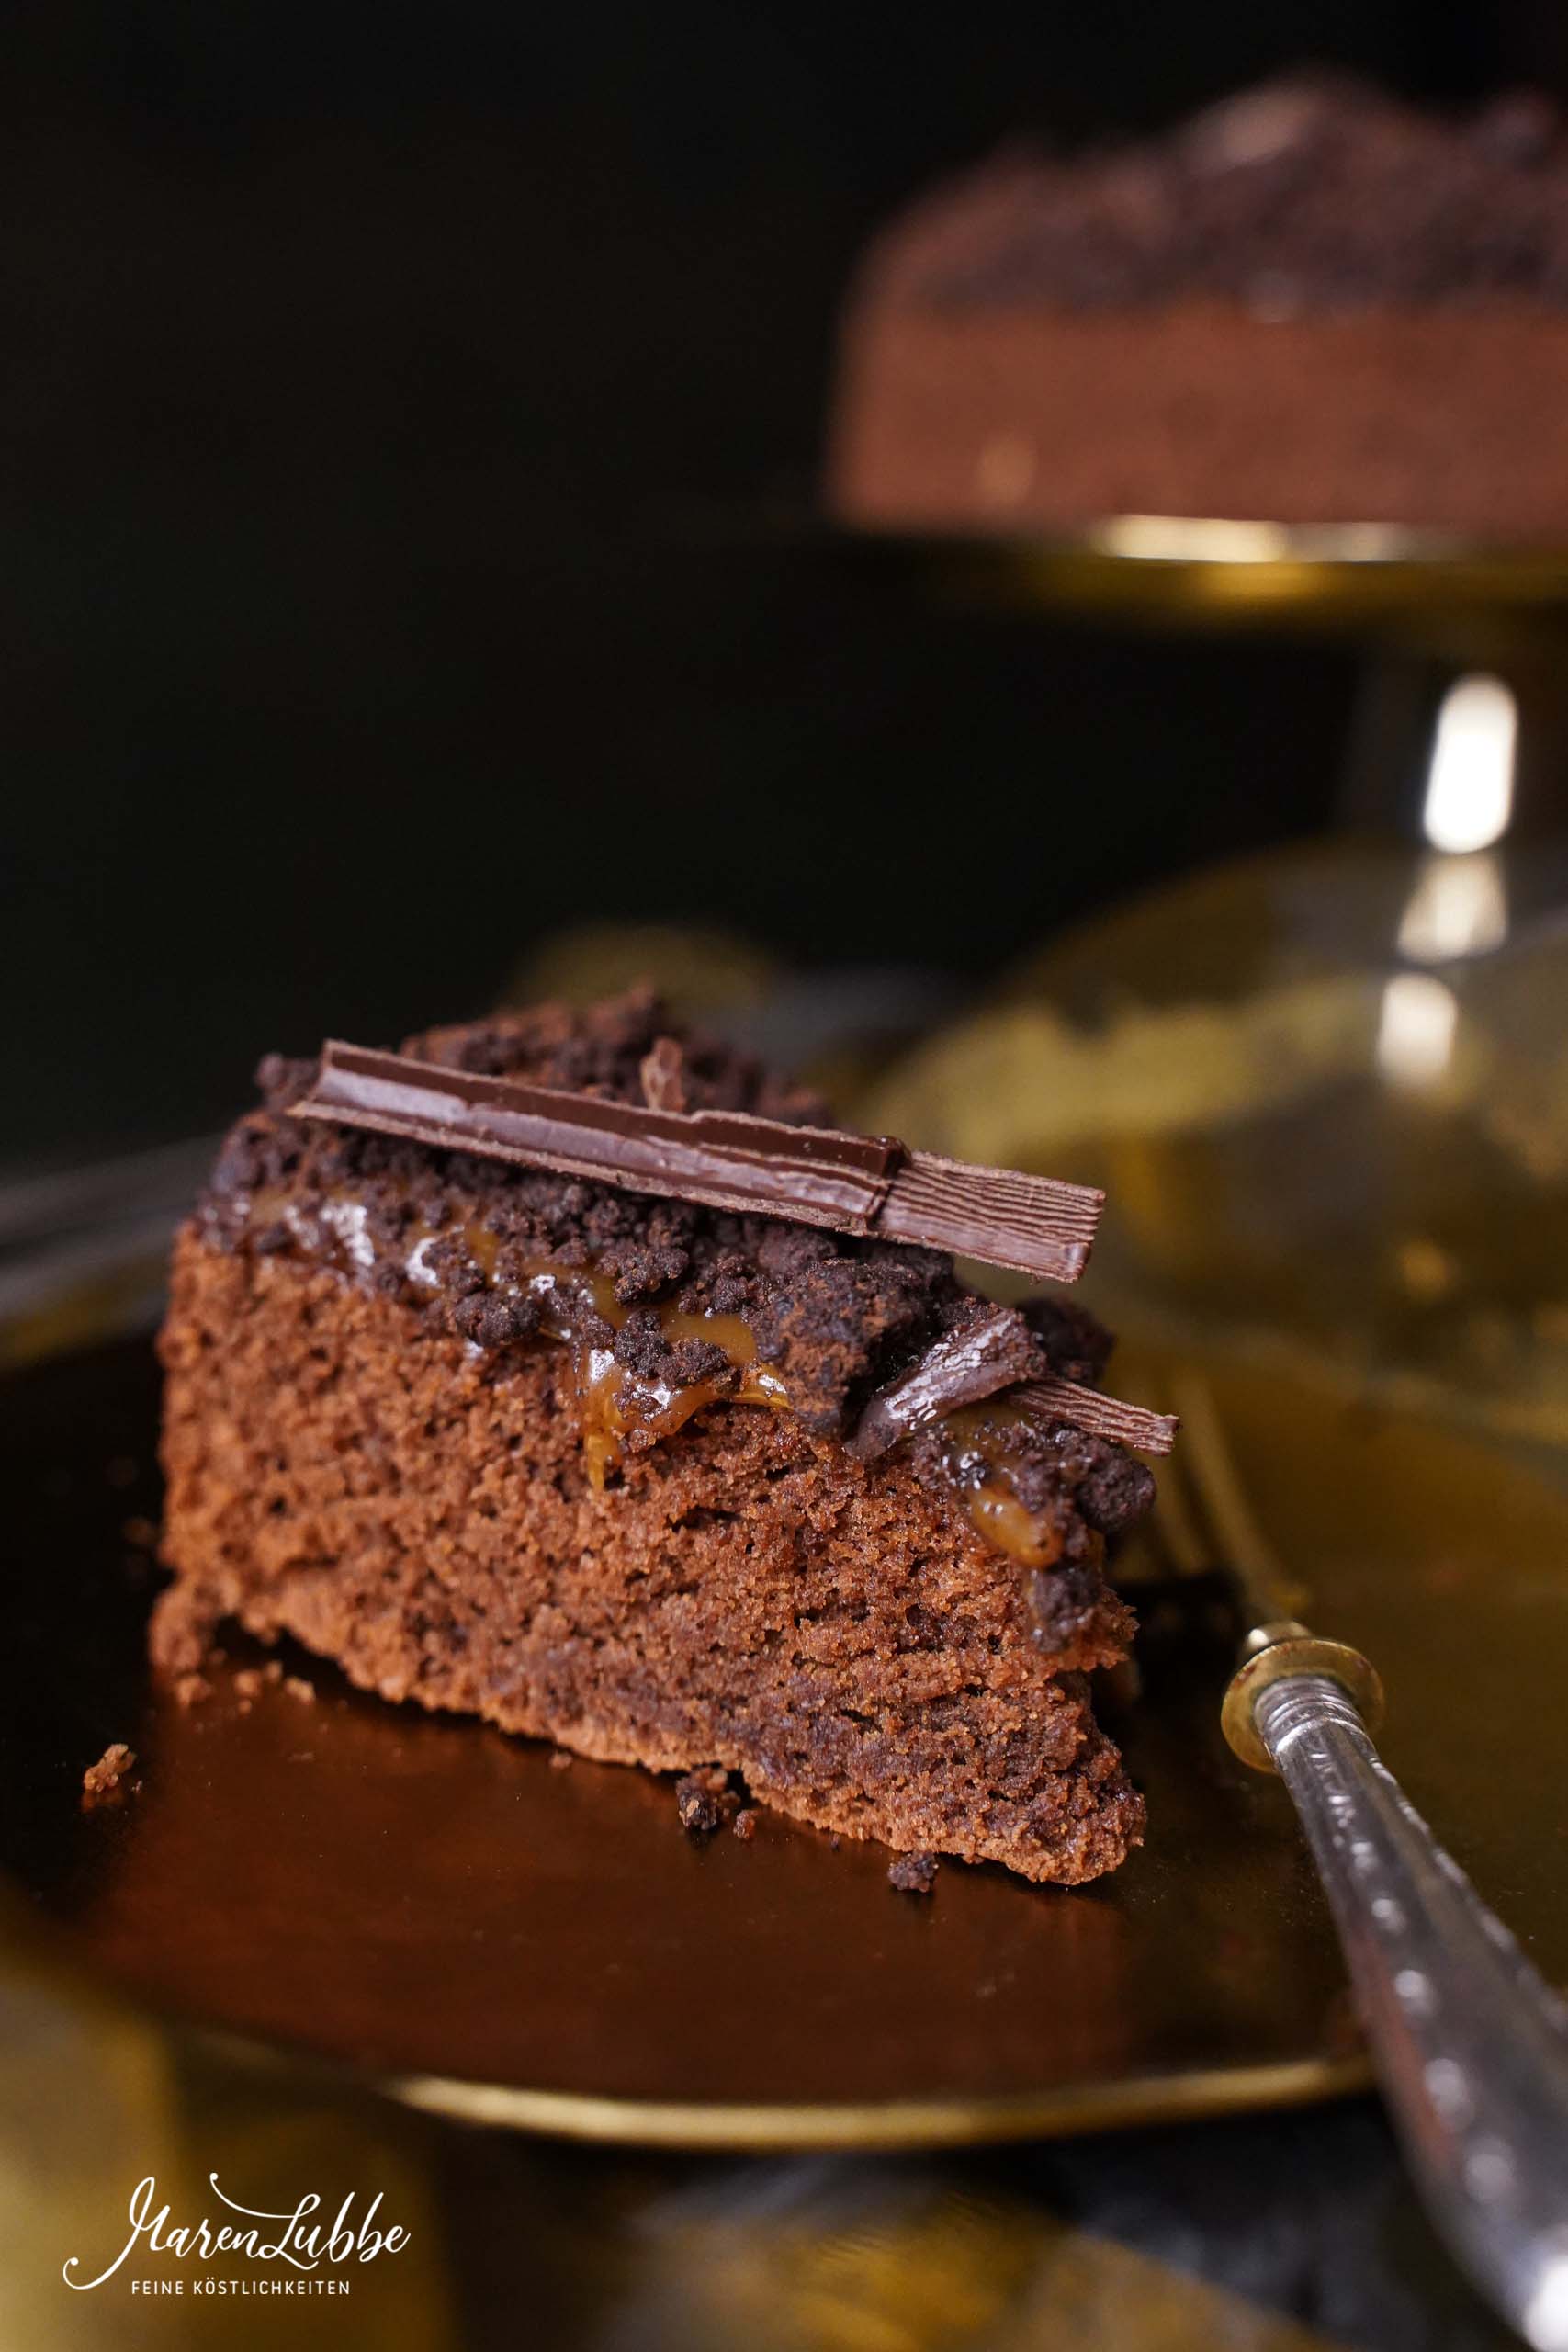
(1210, 568)
(444, 1911)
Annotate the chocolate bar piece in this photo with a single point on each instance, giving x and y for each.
(722, 1159)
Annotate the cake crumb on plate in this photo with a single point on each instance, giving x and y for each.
(706, 1800)
(104, 1783)
(913, 1874)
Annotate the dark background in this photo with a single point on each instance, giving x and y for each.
(410, 419)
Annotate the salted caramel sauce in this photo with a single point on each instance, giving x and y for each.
(975, 1452)
(623, 1411)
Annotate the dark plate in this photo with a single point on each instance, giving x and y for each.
(431, 1903)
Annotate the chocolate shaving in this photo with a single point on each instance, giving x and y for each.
(724, 1158)
(856, 1184)
(1086, 1408)
(1032, 1223)
(995, 1351)
(663, 1076)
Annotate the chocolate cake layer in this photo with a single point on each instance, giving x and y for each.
(578, 1460)
(1311, 305)
(749, 1595)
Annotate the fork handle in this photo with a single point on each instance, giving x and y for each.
(1470, 2045)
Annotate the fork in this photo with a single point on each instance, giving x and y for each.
(1470, 2045)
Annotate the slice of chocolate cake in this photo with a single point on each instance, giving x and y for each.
(672, 1484)
(1311, 305)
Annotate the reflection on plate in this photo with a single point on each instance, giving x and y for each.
(433, 1905)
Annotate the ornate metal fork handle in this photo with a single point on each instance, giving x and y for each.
(1469, 2044)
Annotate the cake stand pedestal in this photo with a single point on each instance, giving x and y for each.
(1428, 613)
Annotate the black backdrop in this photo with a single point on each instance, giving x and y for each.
(410, 424)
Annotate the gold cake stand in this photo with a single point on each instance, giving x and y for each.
(1210, 569)
(1426, 609)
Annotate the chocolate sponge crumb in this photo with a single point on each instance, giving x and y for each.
(913, 1874)
(706, 1800)
(104, 1783)
(745, 1823)
(512, 1634)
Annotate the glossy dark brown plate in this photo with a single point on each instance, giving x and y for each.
(437, 1905)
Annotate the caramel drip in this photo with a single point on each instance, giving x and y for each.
(624, 1412)
(975, 1455)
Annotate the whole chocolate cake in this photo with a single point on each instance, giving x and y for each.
(1311, 304)
(681, 1486)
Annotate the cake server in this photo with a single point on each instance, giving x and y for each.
(1470, 2045)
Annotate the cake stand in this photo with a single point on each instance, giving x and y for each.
(1210, 569)
(1427, 609)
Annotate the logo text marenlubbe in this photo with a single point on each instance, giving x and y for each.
(297, 2238)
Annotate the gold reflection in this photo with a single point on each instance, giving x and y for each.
(1167, 538)
(1470, 783)
(1206, 538)
(1416, 1029)
(828, 2257)
(1327, 1093)
(1459, 906)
